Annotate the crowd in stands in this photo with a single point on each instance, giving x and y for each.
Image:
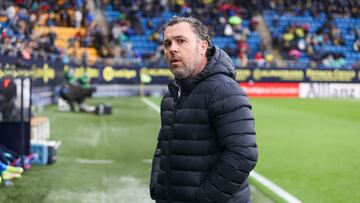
(313, 33)
(317, 33)
(27, 27)
(135, 27)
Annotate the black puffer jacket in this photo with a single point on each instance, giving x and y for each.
(206, 144)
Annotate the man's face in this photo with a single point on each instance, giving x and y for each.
(184, 51)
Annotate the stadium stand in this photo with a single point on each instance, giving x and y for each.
(231, 24)
(321, 34)
(46, 27)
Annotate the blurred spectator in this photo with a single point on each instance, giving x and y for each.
(259, 58)
(356, 45)
(78, 18)
(333, 61)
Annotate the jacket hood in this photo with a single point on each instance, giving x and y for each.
(218, 63)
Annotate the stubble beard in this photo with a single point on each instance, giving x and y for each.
(187, 70)
(183, 72)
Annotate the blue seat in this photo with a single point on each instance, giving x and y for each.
(139, 38)
(111, 15)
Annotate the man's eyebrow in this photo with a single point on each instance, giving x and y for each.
(175, 37)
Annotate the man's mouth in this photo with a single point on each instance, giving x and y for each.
(174, 61)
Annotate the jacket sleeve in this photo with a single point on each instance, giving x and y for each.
(233, 121)
(155, 169)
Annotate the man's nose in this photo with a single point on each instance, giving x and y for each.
(174, 48)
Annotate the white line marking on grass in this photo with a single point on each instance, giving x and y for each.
(261, 179)
(94, 161)
(151, 104)
(274, 188)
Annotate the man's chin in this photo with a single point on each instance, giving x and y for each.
(179, 74)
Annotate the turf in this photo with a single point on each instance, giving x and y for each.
(127, 138)
(308, 147)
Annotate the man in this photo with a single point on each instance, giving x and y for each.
(206, 145)
(8, 93)
(76, 90)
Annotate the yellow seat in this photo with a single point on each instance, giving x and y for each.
(91, 53)
(63, 34)
(3, 19)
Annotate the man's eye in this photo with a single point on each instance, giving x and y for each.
(167, 44)
(180, 41)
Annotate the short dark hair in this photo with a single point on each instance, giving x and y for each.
(199, 28)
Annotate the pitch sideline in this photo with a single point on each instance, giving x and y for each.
(256, 176)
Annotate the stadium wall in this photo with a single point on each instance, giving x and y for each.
(302, 90)
(120, 80)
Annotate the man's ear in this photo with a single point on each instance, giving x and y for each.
(203, 47)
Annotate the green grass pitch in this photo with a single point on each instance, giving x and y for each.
(310, 148)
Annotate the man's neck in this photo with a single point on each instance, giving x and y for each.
(200, 68)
